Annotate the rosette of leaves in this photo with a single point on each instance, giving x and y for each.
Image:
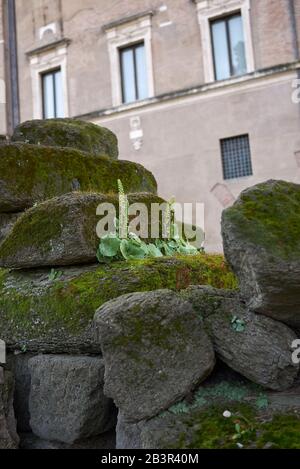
(109, 248)
(112, 248)
(128, 246)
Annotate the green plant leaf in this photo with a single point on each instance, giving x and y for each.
(54, 275)
(131, 250)
(154, 251)
(238, 325)
(109, 245)
(237, 428)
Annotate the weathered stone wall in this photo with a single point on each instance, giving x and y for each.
(131, 350)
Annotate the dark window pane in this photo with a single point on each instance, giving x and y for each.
(237, 45)
(236, 157)
(221, 52)
(141, 72)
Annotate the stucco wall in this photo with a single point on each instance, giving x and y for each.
(181, 142)
(177, 49)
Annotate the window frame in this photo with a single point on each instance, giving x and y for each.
(124, 35)
(236, 178)
(43, 75)
(225, 19)
(208, 11)
(41, 62)
(132, 47)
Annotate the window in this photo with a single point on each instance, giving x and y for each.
(52, 89)
(129, 44)
(236, 157)
(133, 73)
(228, 47)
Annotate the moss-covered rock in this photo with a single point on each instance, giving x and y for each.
(208, 429)
(39, 313)
(61, 231)
(7, 221)
(33, 173)
(256, 346)
(251, 421)
(72, 133)
(155, 351)
(261, 234)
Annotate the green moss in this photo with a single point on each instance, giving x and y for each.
(209, 429)
(35, 229)
(268, 215)
(80, 135)
(156, 334)
(31, 309)
(199, 423)
(46, 225)
(32, 173)
(283, 431)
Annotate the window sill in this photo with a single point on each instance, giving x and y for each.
(237, 180)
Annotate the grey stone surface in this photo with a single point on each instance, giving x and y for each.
(104, 441)
(261, 234)
(155, 351)
(128, 434)
(8, 434)
(21, 372)
(7, 221)
(66, 401)
(261, 351)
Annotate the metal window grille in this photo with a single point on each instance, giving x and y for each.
(236, 157)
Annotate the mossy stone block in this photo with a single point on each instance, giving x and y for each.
(72, 133)
(30, 174)
(62, 230)
(254, 345)
(155, 351)
(261, 234)
(54, 316)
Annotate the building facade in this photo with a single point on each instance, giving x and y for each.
(204, 93)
